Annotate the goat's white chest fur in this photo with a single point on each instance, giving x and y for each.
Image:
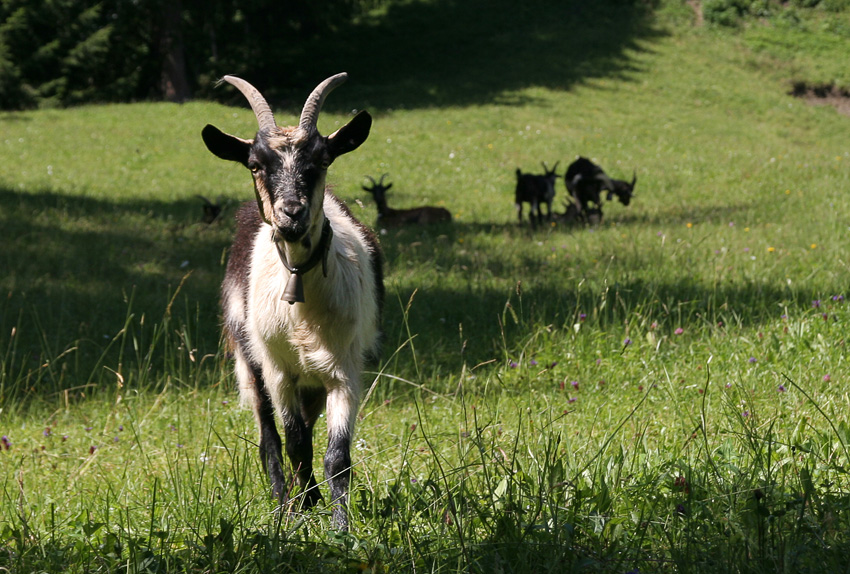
(319, 341)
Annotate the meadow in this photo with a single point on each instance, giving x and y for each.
(663, 392)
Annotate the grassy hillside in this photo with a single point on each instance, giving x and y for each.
(664, 391)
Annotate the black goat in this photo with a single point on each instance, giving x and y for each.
(585, 181)
(535, 190)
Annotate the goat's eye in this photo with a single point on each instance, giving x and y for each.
(326, 164)
(255, 167)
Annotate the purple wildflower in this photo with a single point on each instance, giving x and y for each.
(679, 331)
(582, 317)
(572, 400)
(627, 342)
(838, 298)
(816, 303)
(553, 365)
(47, 432)
(753, 360)
(826, 378)
(533, 363)
(745, 414)
(514, 364)
(7, 444)
(574, 384)
(781, 388)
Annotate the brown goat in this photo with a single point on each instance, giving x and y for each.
(389, 217)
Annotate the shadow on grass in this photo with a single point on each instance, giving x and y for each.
(453, 53)
(77, 267)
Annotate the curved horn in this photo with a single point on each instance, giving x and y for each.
(381, 182)
(313, 105)
(634, 178)
(261, 108)
(374, 183)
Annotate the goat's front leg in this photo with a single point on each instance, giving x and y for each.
(253, 390)
(299, 415)
(342, 406)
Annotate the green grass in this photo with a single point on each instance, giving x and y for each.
(658, 393)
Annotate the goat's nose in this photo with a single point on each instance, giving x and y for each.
(291, 210)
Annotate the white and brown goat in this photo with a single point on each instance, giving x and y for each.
(389, 217)
(302, 294)
(536, 190)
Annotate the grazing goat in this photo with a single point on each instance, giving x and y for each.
(585, 180)
(535, 190)
(302, 293)
(390, 217)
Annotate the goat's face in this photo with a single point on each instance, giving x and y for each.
(289, 164)
(378, 189)
(624, 190)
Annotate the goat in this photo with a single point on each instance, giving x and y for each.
(304, 351)
(390, 217)
(585, 180)
(535, 190)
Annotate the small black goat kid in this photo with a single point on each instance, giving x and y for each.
(585, 181)
(535, 190)
(304, 351)
(389, 217)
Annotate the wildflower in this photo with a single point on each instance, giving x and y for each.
(598, 361)
(574, 384)
(514, 364)
(746, 249)
(533, 363)
(47, 432)
(121, 428)
(781, 388)
(553, 364)
(689, 225)
(771, 249)
(816, 303)
(745, 414)
(654, 325)
(582, 317)
(679, 331)
(825, 316)
(92, 448)
(7, 444)
(88, 429)
(753, 360)
(814, 246)
(728, 385)
(572, 400)
(561, 385)
(826, 378)
(627, 342)
(731, 224)
(838, 298)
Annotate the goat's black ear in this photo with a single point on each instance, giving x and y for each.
(388, 187)
(351, 135)
(225, 145)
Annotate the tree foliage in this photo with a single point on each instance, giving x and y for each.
(65, 52)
